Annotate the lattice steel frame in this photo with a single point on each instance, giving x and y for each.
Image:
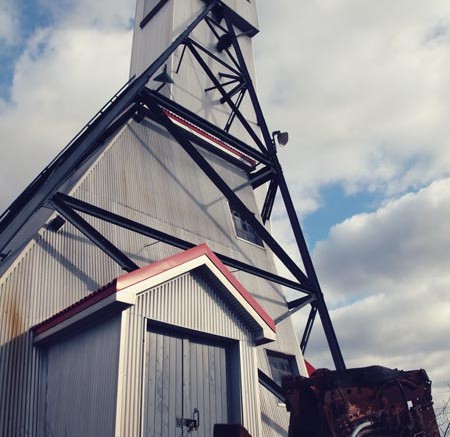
(136, 100)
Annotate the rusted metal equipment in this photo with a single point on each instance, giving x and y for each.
(369, 401)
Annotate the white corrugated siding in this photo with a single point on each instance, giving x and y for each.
(80, 383)
(188, 302)
(152, 40)
(145, 176)
(54, 271)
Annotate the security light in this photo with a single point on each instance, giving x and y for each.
(282, 138)
(164, 77)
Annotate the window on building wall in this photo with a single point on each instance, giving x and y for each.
(244, 229)
(281, 365)
(151, 8)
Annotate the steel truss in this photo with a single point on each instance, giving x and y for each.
(136, 100)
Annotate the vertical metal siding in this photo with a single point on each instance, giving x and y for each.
(164, 385)
(152, 40)
(182, 375)
(81, 382)
(146, 177)
(246, 9)
(208, 374)
(189, 302)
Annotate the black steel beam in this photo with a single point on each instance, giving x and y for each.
(308, 328)
(48, 182)
(295, 306)
(233, 114)
(207, 126)
(152, 13)
(299, 303)
(144, 112)
(262, 176)
(268, 383)
(92, 234)
(269, 201)
(177, 70)
(241, 23)
(251, 89)
(321, 305)
(211, 23)
(234, 200)
(328, 328)
(234, 91)
(230, 102)
(213, 56)
(224, 84)
(228, 75)
(150, 232)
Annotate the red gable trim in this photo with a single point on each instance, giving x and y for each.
(76, 308)
(144, 273)
(309, 368)
(158, 267)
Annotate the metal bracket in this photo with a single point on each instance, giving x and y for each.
(190, 424)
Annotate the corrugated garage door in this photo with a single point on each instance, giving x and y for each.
(186, 378)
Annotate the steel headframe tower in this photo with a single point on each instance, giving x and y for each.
(138, 101)
(202, 66)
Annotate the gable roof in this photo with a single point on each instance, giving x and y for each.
(122, 293)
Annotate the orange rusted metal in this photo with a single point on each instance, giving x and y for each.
(369, 401)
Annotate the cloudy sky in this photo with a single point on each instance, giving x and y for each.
(363, 87)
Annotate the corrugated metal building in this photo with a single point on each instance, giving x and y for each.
(179, 342)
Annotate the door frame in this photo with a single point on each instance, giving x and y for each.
(232, 346)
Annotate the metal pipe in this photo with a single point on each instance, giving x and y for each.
(360, 427)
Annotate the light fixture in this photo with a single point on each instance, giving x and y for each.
(282, 138)
(164, 77)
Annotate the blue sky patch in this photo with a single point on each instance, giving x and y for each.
(32, 16)
(337, 207)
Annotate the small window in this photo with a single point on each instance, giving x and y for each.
(244, 229)
(281, 365)
(151, 8)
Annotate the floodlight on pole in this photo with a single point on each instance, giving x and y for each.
(163, 77)
(282, 138)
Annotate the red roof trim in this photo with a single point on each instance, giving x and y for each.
(309, 368)
(240, 288)
(133, 278)
(75, 308)
(158, 267)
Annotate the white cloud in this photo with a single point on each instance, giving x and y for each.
(8, 22)
(388, 273)
(66, 73)
(362, 90)
(100, 14)
(405, 242)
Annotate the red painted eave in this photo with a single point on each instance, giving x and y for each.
(75, 308)
(130, 279)
(144, 273)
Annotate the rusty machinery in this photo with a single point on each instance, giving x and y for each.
(369, 401)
